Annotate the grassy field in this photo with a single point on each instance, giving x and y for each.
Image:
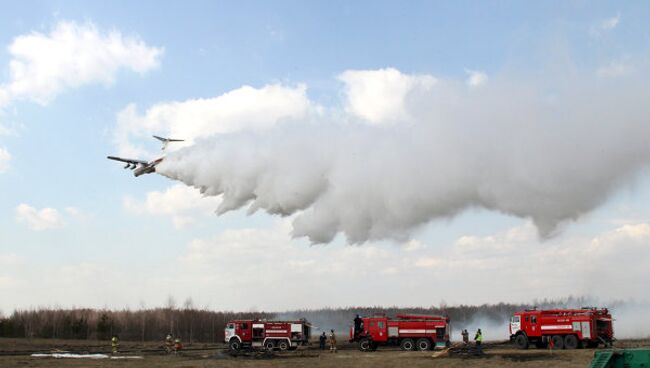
(498, 355)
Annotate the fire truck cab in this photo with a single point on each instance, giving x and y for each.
(562, 328)
(269, 335)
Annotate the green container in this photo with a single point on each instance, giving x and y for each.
(621, 358)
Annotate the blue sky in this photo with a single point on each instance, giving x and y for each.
(208, 49)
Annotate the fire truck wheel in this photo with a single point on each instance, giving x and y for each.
(365, 344)
(234, 345)
(423, 344)
(521, 341)
(269, 345)
(557, 342)
(283, 345)
(570, 342)
(407, 345)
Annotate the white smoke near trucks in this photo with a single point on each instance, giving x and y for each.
(550, 150)
(631, 319)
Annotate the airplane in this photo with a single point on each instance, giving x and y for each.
(141, 167)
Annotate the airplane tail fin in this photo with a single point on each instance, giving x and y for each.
(166, 141)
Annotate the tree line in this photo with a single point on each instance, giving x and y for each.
(202, 325)
(191, 324)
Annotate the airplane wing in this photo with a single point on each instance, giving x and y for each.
(127, 160)
(168, 139)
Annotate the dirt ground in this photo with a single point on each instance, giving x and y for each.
(496, 355)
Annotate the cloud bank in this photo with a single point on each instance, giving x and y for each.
(179, 202)
(45, 218)
(70, 55)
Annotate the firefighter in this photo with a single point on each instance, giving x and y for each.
(169, 343)
(465, 335)
(332, 342)
(115, 343)
(177, 345)
(479, 338)
(357, 325)
(322, 340)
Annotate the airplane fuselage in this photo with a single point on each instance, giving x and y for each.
(148, 168)
(141, 167)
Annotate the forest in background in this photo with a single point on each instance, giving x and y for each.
(201, 325)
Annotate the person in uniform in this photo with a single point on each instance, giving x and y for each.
(357, 325)
(169, 343)
(332, 342)
(322, 340)
(479, 339)
(177, 345)
(115, 344)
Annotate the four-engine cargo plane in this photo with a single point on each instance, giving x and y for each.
(141, 167)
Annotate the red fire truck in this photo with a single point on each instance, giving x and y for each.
(269, 335)
(562, 328)
(409, 332)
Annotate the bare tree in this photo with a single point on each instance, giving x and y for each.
(171, 306)
(189, 312)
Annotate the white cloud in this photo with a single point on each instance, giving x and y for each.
(263, 267)
(5, 157)
(475, 78)
(46, 218)
(180, 202)
(379, 96)
(71, 55)
(511, 265)
(574, 265)
(610, 23)
(496, 244)
(239, 109)
(250, 264)
(429, 262)
(604, 26)
(413, 245)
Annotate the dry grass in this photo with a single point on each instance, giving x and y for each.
(499, 356)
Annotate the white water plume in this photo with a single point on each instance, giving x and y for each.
(548, 150)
